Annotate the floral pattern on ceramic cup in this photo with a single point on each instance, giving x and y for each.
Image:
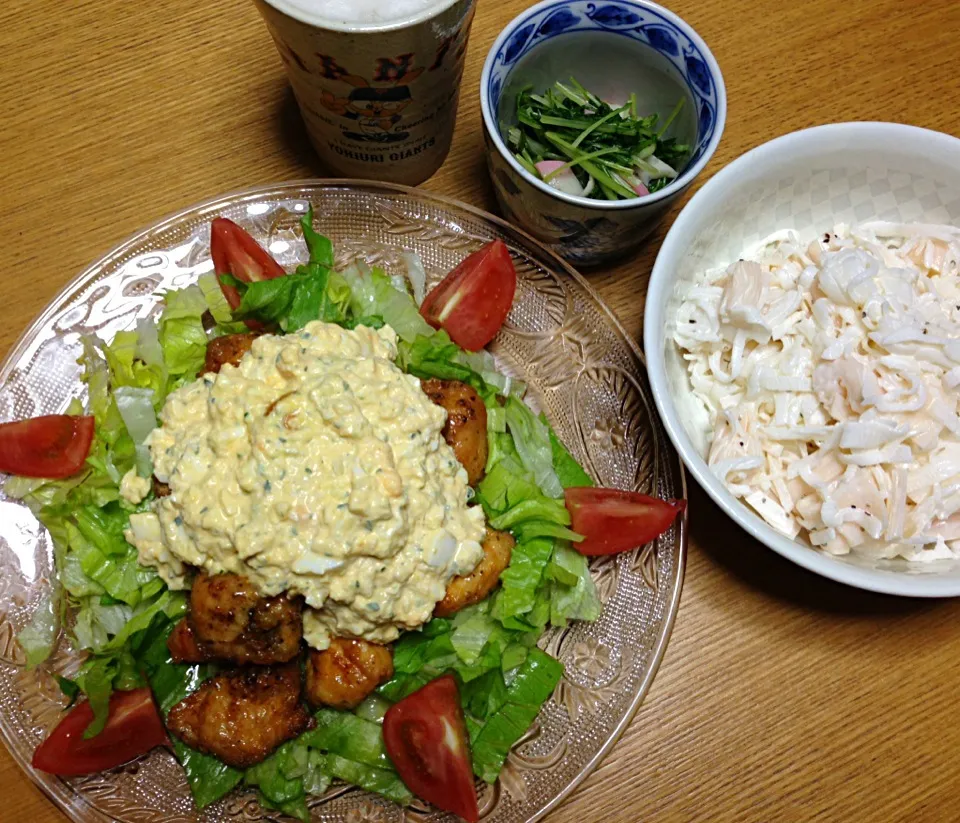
(595, 232)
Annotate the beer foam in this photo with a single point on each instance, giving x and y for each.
(359, 13)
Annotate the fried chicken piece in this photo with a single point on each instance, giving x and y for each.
(160, 489)
(466, 428)
(241, 716)
(230, 620)
(227, 349)
(344, 674)
(183, 645)
(471, 588)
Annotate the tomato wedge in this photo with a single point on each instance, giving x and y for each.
(54, 446)
(235, 252)
(426, 738)
(472, 302)
(616, 521)
(133, 728)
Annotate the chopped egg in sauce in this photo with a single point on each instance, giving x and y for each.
(317, 468)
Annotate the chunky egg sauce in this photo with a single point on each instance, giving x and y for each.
(316, 467)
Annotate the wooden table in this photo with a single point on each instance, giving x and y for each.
(782, 697)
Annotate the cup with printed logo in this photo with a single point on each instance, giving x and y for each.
(377, 82)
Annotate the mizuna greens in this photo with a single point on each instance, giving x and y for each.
(582, 145)
(122, 613)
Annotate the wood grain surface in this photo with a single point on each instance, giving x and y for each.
(782, 697)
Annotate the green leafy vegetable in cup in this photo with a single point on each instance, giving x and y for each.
(581, 145)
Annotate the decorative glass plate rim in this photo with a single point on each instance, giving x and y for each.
(221, 202)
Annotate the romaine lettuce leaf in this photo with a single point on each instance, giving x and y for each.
(520, 581)
(39, 636)
(573, 595)
(342, 746)
(182, 336)
(319, 247)
(373, 294)
(531, 437)
(569, 472)
(527, 690)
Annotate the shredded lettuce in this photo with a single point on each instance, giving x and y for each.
(528, 689)
(124, 612)
(136, 410)
(531, 437)
(342, 745)
(182, 336)
(313, 292)
(39, 636)
(319, 247)
(573, 595)
(569, 472)
(115, 600)
(217, 304)
(373, 294)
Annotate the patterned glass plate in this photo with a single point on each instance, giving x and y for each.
(582, 371)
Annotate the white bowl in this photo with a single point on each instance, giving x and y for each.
(807, 181)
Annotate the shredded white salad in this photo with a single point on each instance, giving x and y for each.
(830, 373)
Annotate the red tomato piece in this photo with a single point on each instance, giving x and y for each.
(235, 252)
(426, 738)
(54, 446)
(614, 521)
(472, 302)
(133, 728)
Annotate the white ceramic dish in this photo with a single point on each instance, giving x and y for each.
(807, 181)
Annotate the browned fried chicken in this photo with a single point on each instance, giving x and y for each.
(241, 716)
(472, 588)
(466, 428)
(183, 644)
(160, 489)
(231, 621)
(227, 349)
(345, 673)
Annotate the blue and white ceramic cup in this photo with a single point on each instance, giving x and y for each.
(613, 48)
(379, 99)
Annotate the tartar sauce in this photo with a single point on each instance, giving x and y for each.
(317, 468)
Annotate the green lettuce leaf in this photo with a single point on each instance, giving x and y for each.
(573, 595)
(531, 437)
(182, 336)
(319, 247)
(384, 782)
(373, 294)
(530, 686)
(342, 745)
(569, 472)
(349, 736)
(39, 636)
(280, 779)
(313, 292)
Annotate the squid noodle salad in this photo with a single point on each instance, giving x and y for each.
(829, 372)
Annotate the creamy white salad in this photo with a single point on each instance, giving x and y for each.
(830, 373)
(317, 468)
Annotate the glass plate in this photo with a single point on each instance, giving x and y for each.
(582, 371)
